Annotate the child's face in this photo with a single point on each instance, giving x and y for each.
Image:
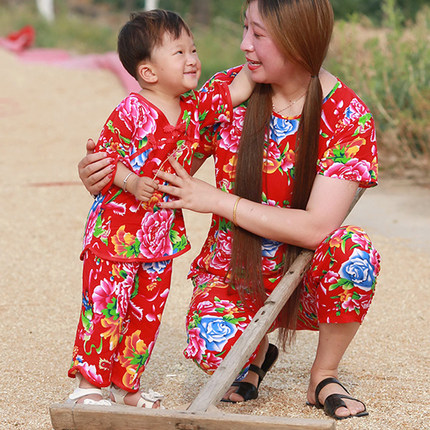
(177, 64)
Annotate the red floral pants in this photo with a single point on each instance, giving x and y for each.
(122, 305)
(338, 288)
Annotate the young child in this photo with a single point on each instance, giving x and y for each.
(129, 240)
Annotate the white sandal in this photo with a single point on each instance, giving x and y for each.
(82, 392)
(147, 400)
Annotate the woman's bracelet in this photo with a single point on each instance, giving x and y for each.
(124, 182)
(235, 210)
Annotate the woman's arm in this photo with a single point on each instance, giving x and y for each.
(95, 169)
(328, 205)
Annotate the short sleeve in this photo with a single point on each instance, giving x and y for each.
(115, 138)
(351, 153)
(218, 83)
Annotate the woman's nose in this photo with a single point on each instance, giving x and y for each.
(246, 44)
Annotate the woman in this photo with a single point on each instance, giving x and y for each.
(316, 142)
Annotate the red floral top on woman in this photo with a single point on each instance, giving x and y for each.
(138, 134)
(347, 150)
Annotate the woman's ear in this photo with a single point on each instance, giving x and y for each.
(147, 73)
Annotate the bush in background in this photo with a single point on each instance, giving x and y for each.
(388, 64)
(390, 69)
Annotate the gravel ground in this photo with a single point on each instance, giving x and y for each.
(46, 114)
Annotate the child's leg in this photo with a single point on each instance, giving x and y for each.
(141, 326)
(107, 288)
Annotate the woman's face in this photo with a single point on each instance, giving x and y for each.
(265, 61)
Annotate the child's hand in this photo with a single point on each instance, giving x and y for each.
(142, 187)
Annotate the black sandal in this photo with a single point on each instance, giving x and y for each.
(247, 390)
(334, 401)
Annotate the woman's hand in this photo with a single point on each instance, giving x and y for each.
(95, 169)
(191, 193)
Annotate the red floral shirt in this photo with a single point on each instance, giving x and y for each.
(347, 150)
(138, 134)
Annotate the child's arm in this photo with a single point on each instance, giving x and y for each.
(241, 86)
(141, 187)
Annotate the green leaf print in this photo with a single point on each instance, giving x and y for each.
(98, 229)
(86, 319)
(143, 142)
(111, 310)
(132, 250)
(139, 359)
(224, 225)
(346, 284)
(232, 320)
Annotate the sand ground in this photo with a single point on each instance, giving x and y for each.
(46, 114)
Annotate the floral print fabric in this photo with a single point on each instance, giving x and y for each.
(340, 284)
(347, 150)
(122, 305)
(338, 288)
(137, 133)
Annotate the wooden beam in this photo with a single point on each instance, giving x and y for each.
(90, 417)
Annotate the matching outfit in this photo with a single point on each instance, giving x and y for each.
(129, 245)
(339, 286)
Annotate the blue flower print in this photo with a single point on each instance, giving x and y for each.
(269, 247)
(281, 127)
(216, 332)
(140, 160)
(359, 270)
(155, 266)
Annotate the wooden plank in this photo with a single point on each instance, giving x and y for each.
(230, 367)
(89, 417)
(76, 417)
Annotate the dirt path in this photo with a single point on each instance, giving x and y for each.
(46, 114)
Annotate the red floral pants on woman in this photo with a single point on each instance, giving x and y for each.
(338, 288)
(122, 305)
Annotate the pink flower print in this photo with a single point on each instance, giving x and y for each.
(138, 117)
(213, 361)
(288, 160)
(124, 290)
(348, 303)
(230, 135)
(196, 345)
(222, 258)
(206, 306)
(354, 170)
(103, 295)
(91, 371)
(154, 234)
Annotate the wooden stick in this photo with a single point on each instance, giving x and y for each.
(230, 367)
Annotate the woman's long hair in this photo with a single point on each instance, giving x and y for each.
(302, 30)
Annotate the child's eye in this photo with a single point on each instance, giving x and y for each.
(179, 52)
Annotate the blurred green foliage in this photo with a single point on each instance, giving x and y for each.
(380, 49)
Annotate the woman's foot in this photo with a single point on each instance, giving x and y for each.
(138, 399)
(334, 398)
(247, 388)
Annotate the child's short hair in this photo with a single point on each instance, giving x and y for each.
(143, 32)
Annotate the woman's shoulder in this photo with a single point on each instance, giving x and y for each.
(339, 94)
